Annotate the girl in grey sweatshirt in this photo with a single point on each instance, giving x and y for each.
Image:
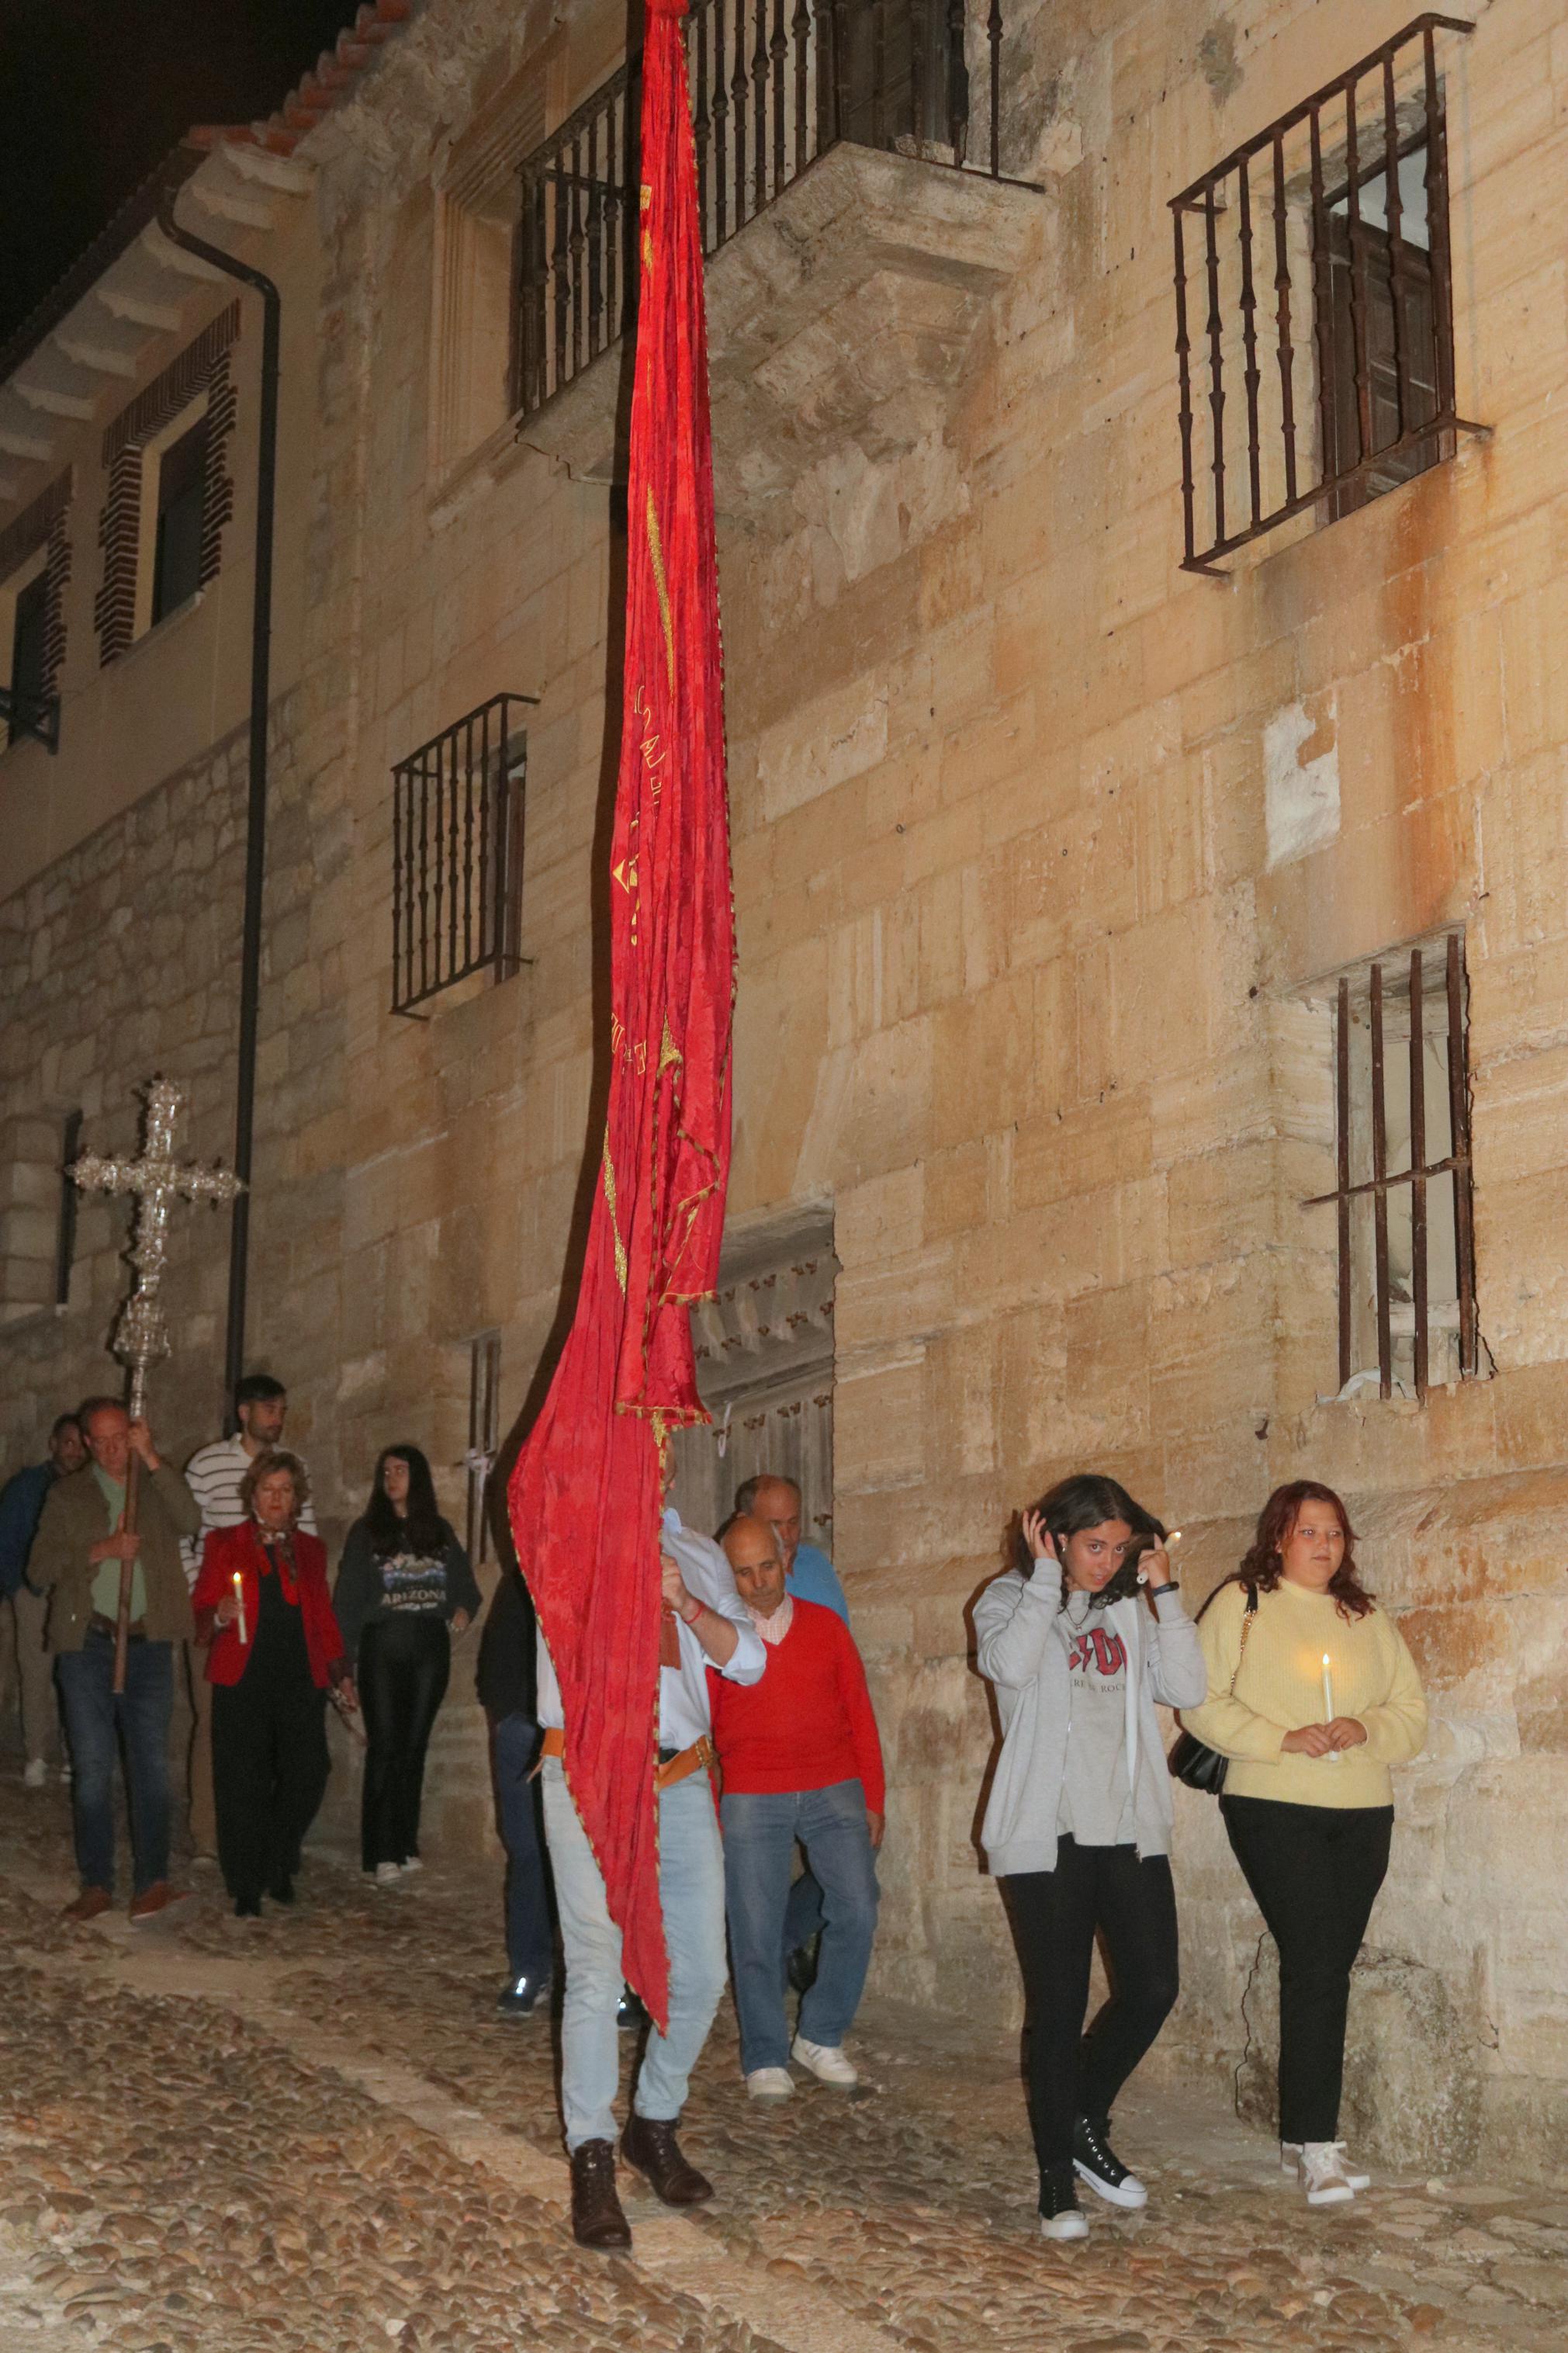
(1079, 1647)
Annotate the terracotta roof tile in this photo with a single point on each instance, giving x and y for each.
(334, 77)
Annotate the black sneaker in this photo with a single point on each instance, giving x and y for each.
(1097, 2162)
(519, 1996)
(1059, 2217)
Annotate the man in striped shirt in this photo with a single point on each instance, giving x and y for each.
(213, 1475)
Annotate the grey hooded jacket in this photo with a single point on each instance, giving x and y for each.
(1018, 1652)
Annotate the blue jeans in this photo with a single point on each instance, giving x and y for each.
(760, 1832)
(96, 1722)
(530, 1934)
(691, 1895)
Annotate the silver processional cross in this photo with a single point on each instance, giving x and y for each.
(153, 1181)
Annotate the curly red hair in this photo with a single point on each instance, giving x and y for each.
(1264, 1566)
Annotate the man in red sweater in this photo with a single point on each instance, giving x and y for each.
(800, 1759)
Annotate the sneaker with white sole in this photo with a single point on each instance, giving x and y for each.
(410, 1863)
(767, 2084)
(1095, 2162)
(1324, 2175)
(826, 2061)
(34, 1773)
(387, 1874)
(1290, 2163)
(1059, 2217)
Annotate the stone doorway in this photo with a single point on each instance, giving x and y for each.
(764, 1367)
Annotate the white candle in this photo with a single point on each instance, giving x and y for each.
(1329, 1704)
(240, 1604)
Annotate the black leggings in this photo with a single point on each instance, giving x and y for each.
(1055, 1915)
(1314, 1872)
(404, 1663)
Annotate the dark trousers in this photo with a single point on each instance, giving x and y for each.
(1314, 1872)
(404, 1663)
(269, 1772)
(1055, 1913)
(96, 1724)
(530, 1912)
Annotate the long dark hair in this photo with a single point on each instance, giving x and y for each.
(1264, 1565)
(424, 1529)
(1084, 1500)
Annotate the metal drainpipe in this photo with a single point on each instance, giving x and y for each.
(256, 812)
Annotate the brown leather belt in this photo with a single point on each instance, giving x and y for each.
(98, 1624)
(675, 1763)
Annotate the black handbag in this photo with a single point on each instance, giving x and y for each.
(1192, 1760)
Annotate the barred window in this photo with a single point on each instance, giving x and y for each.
(1314, 304)
(1402, 1196)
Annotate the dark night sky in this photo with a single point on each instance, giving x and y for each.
(93, 94)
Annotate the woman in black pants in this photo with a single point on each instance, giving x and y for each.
(1079, 1641)
(1314, 1695)
(273, 1653)
(404, 1587)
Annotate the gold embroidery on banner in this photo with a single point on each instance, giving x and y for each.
(621, 1269)
(652, 747)
(656, 557)
(645, 208)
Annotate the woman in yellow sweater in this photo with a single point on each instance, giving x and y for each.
(1312, 1696)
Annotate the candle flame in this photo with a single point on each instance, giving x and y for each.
(1325, 1658)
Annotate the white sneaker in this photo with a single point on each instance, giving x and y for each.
(34, 1773)
(387, 1874)
(770, 2084)
(1323, 2176)
(827, 2064)
(1290, 2163)
(410, 1863)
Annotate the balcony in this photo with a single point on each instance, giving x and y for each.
(855, 217)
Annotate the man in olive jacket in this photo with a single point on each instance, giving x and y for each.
(76, 1561)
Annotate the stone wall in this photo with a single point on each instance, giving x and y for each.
(1028, 981)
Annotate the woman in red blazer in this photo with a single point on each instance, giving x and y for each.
(261, 1603)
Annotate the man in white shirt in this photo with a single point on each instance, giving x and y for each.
(213, 1475)
(712, 1628)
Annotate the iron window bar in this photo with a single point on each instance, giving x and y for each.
(1380, 333)
(775, 85)
(33, 715)
(457, 808)
(1423, 1170)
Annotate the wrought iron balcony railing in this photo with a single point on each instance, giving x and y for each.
(774, 84)
(456, 852)
(1335, 218)
(38, 715)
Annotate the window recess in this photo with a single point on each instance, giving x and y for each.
(1314, 305)
(1402, 1197)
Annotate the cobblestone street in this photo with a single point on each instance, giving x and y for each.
(317, 2135)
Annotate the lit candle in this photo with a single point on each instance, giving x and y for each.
(1329, 1704)
(239, 1604)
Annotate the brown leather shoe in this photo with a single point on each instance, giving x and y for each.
(155, 1899)
(653, 2148)
(89, 1905)
(597, 2220)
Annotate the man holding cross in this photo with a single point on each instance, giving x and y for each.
(78, 1560)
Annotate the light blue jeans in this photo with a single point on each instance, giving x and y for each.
(760, 1832)
(692, 1894)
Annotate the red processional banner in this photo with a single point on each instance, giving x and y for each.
(586, 1494)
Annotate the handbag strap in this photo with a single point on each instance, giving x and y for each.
(1248, 1616)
